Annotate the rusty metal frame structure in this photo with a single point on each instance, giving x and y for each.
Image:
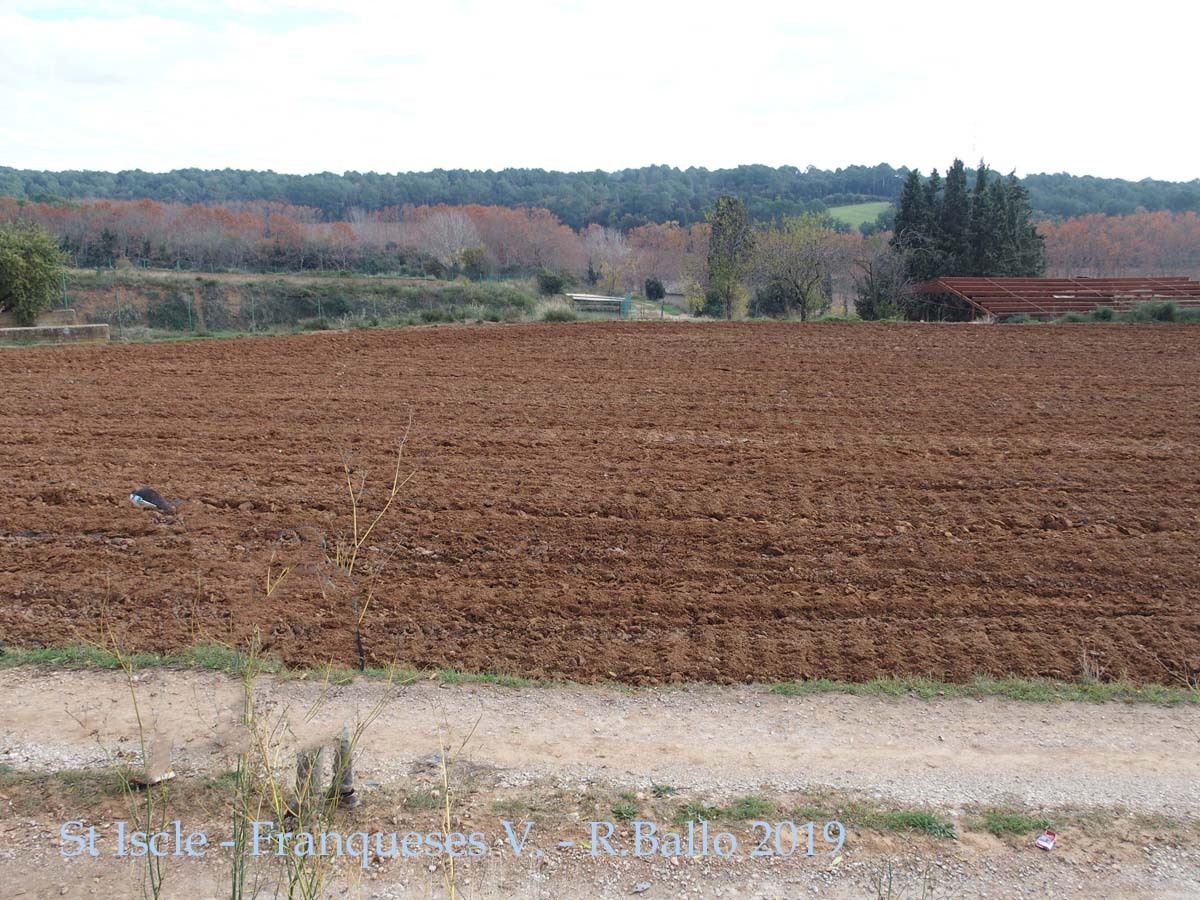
(1053, 297)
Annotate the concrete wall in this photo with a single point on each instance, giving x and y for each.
(54, 334)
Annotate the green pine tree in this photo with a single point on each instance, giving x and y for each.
(981, 228)
(955, 209)
(914, 230)
(1024, 248)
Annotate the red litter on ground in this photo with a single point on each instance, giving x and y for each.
(1046, 840)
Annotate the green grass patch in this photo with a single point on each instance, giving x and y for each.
(422, 800)
(625, 811)
(916, 820)
(848, 811)
(1033, 689)
(856, 214)
(217, 657)
(77, 656)
(999, 823)
(226, 782)
(222, 658)
(749, 808)
(742, 809)
(500, 679)
(865, 814)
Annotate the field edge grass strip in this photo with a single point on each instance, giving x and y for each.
(221, 658)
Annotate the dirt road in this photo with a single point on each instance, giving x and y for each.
(721, 741)
(717, 743)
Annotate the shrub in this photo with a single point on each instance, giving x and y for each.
(117, 315)
(549, 283)
(474, 262)
(171, 312)
(1071, 318)
(1164, 312)
(31, 268)
(216, 314)
(654, 288)
(1020, 319)
(1103, 314)
(1153, 311)
(558, 314)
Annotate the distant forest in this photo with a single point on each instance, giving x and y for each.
(622, 200)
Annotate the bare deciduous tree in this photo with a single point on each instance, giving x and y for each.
(607, 248)
(445, 234)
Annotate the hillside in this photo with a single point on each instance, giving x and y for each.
(622, 199)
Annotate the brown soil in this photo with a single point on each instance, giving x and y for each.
(646, 502)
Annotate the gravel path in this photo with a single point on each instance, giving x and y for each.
(718, 740)
(710, 741)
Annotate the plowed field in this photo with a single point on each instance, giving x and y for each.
(648, 502)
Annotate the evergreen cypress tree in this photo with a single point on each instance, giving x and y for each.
(1025, 252)
(980, 224)
(955, 209)
(913, 232)
(912, 213)
(999, 239)
(941, 229)
(933, 194)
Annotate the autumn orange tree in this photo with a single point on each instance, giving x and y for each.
(1144, 243)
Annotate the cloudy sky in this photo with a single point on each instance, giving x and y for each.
(337, 85)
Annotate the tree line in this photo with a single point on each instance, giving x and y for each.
(969, 223)
(799, 266)
(624, 199)
(943, 227)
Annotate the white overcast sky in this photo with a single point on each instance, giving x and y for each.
(336, 85)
